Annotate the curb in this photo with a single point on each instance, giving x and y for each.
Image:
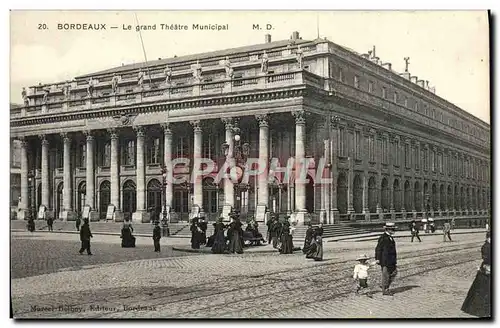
(97, 233)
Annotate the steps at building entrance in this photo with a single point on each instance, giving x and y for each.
(180, 229)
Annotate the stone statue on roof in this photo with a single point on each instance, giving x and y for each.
(300, 57)
(24, 94)
(197, 70)
(65, 90)
(45, 98)
(228, 68)
(265, 62)
(168, 74)
(90, 88)
(114, 82)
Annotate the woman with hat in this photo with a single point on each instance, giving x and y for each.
(235, 237)
(195, 234)
(477, 302)
(286, 238)
(219, 240)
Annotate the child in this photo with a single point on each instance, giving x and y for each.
(361, 272)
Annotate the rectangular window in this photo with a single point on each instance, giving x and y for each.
(154, 151)
(128, 153)
(83, 155)
(371, 148)
(433, 161)
(417, 157)
(341, 75)
(416, 106)
(385, 151)
(396, 97)
(356, 81)
(107, 154)
(407, 155)
(384, 92)
(182, 147)
(370, 86)
(209, 147)
(342, 142)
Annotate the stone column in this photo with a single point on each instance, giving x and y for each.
(23, 211)
(67, 214)
(115, 176)
(350, 172)
(167, 160)
(334, 167)
(300, 189)
(45, 172)
(263, 190)
(90, 178)
(380, 137)
(364, 153)
(197, 183)
(228, 184)
(140, 215)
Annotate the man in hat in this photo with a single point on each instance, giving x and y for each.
(446, 230)
(386, 256)
(157, 236)
(414, 231)
(85, 236)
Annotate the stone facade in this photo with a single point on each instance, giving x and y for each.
(390, 146)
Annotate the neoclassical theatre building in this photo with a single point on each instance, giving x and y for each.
(392, 147)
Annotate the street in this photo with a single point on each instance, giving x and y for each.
(51, 280)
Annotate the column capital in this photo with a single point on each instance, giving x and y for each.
(22, 141)
(228, 122)
(139, 131)
(196, 126)
(43, 139)
(113, 134)
(88, 135)
(300, 116)
(263, 120)
(166, 128)
(334, 121)
(65, 136)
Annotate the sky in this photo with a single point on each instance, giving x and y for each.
(448, 48)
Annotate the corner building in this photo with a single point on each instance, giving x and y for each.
(392, 147)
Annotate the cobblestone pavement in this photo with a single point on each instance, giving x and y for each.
(38, 253)
(433, 280)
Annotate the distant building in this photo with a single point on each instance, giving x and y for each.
(15, 169)
(392, 146)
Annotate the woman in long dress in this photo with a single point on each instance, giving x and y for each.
(477, 302)
(286, 239)
(195, 234)
(219, 240)
(235, 241)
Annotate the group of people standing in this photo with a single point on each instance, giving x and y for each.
(313, 243)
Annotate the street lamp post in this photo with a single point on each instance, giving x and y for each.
(31, 188)
(164, 220)
(240, 153)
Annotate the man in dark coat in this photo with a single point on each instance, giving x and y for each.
(386, 257)
(85, 236)
(157, 236)
(50, 222)
(78, 222)
(269, 224)
(195, 234)
(414, 231)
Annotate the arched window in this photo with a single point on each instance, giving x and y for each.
(210, 196)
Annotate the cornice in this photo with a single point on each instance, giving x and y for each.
(155, 107)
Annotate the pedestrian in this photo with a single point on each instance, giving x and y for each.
(195, 234)
(236, 235)
(478, 301)
(31, 224)
(219, 241)
(315, 249)
(446, 231)
(275, 232)
(386, 257)
(414, 231)
(203, 227)
(50, 221)
(453, 224)
(308, 238)
(286, 238)
(360, 274)
(85, 236)
(78, 222)
(269, 225)
(157, 236)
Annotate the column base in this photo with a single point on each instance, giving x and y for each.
(334, 216)
(94, 216)
(261, 213)
(118, 216)
(414, 214)
(323, 218)
(23, 214)
(226, 209)
(141, 217)
(299, 217)
(68, 216)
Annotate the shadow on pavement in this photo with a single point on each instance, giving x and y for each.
(403, 289)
